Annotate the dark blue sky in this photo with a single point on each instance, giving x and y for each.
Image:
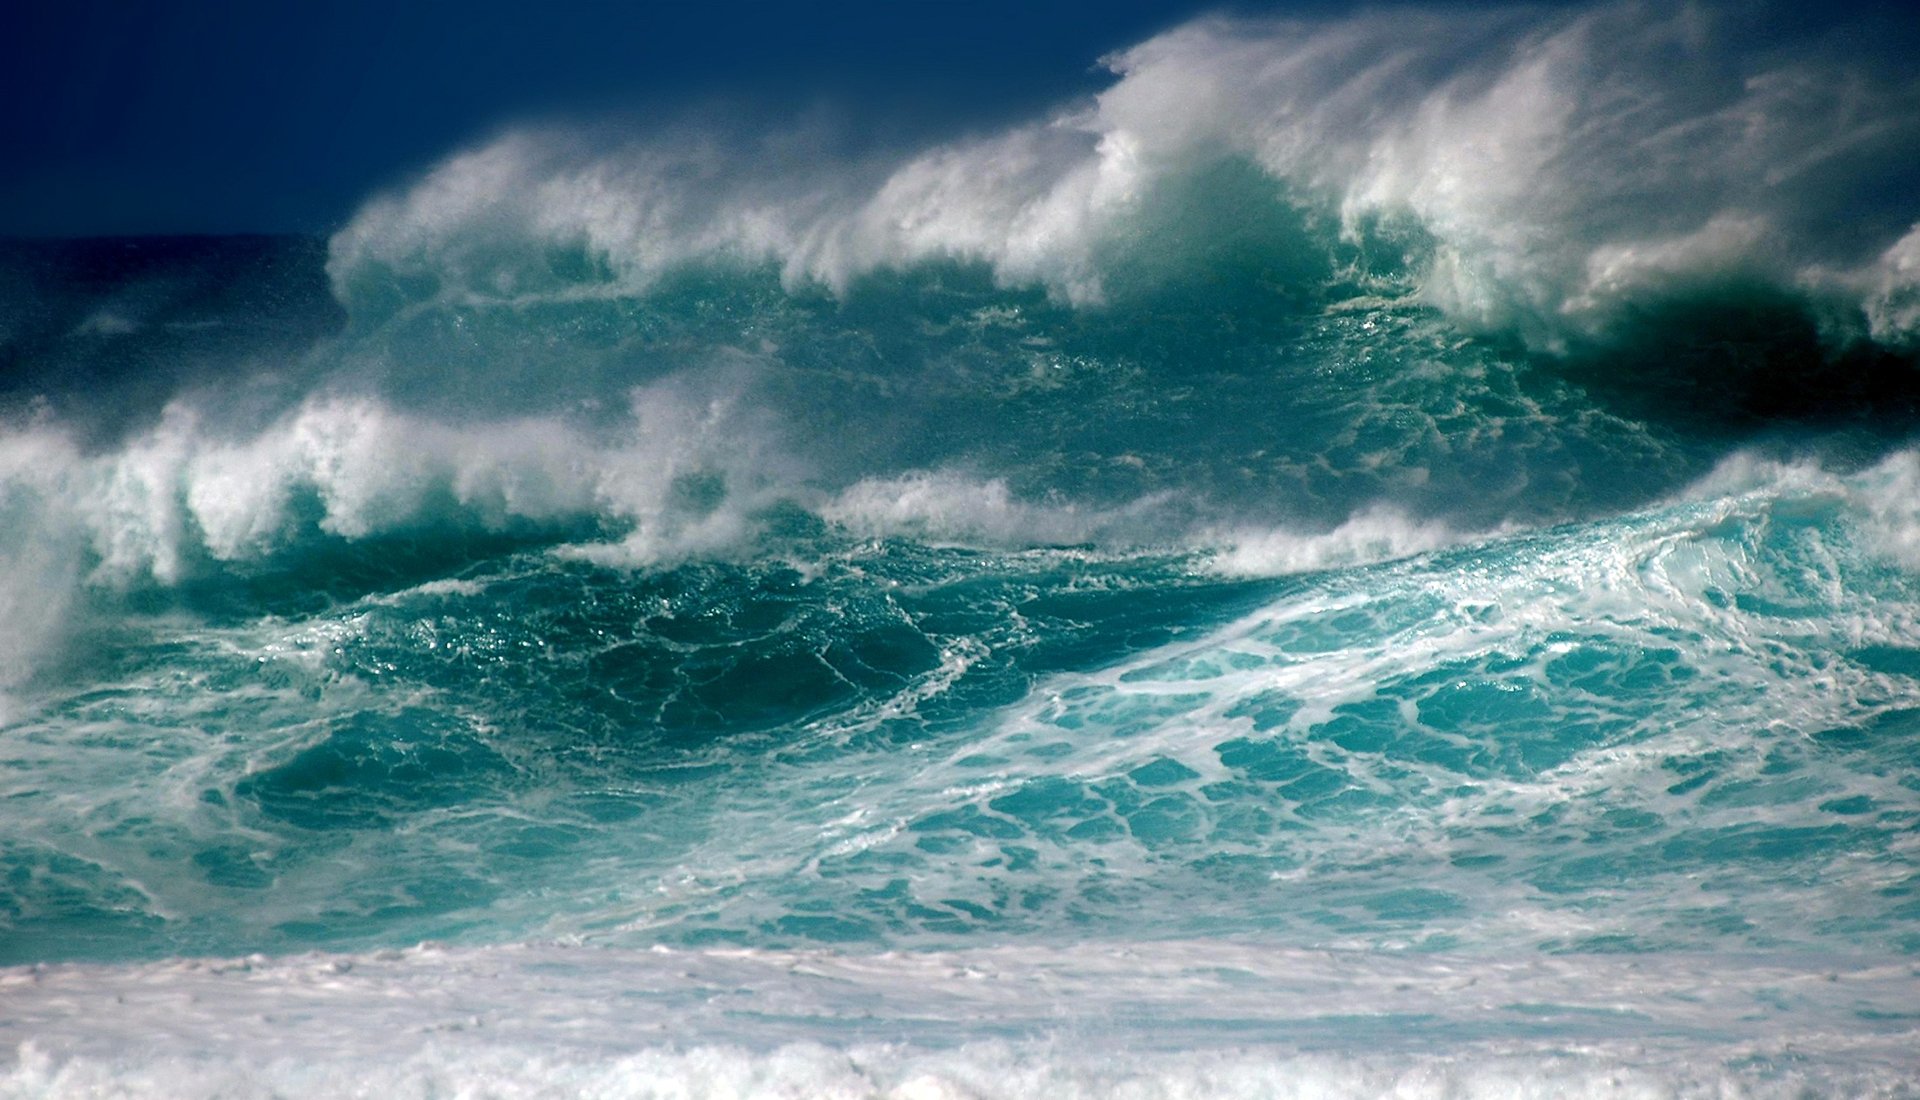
(206, 116)
(142, 116)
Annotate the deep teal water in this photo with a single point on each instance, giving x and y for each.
(1448, 543)
(969, 618)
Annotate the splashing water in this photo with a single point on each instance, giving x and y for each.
(1373, 557)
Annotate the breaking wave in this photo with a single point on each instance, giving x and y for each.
(1427, 497)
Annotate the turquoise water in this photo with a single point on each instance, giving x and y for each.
(1105, 536)
(1686, 729)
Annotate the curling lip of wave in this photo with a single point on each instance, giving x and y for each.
(1551, 169)
(181, 494)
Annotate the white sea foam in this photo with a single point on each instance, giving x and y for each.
(1562, 164)
(1892, 290)
(1375, 534)
(990, 1071)
(184, 491)
(186, 496)
(1560, 678)
(1883, 499)
(947, 506)
(1146, 1020)
(40, 560)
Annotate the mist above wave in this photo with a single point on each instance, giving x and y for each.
(1541, 173)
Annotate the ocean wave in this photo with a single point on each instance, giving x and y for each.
(1542, 173)
(865, 729)
(1422, 501)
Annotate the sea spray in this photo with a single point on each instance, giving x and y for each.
(1373, 555)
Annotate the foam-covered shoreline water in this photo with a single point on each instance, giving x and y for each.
(1164, 1020)
(1392, 539)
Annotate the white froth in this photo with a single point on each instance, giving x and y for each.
(181, 489)
(1562, 165)
(1375, 534)
(1892, 289)
(945, 506)
(1756, 681)
(1139, 1020)
(40, 560)
(184, 496)
(1883, 499)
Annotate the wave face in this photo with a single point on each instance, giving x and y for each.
(1357, 512)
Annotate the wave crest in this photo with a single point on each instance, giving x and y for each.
(1546, 172)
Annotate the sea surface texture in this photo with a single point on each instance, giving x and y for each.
(1374, 557)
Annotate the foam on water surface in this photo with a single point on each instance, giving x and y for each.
(1373, 557)
(1169, 1019)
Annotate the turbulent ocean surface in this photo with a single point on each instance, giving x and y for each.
(1374, 557)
